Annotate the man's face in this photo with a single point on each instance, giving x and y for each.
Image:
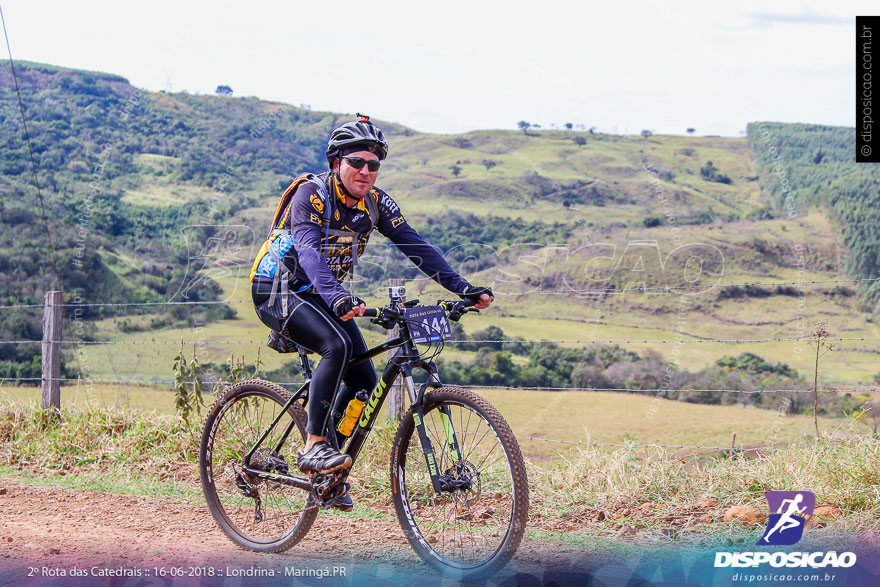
(357, 181)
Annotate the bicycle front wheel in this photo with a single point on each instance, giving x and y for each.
(256, 513)
(474, 526)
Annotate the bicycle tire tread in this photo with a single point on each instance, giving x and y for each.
(309, 513)
(518, 473)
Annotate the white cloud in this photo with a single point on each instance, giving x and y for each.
(463, 65)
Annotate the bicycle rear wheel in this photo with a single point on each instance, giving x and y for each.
(255, 513)
(475, 529)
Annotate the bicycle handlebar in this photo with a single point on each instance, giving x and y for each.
(454, 309)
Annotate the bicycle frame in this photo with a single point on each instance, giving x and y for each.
(402, 363)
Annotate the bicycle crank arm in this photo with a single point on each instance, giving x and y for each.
(326, 486)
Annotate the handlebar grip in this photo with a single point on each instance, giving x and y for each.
(459, 306)
(371, 312)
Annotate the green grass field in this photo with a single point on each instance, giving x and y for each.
(575, 417)
(419, 177)
(625, 222)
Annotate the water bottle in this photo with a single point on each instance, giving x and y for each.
(352, 413)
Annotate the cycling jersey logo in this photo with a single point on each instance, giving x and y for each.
(317, 203)
(396, 221)
(788, 511)
(389, 203)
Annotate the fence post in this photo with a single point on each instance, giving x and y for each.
(51, 350)
(396, 391)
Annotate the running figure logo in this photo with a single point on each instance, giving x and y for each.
(787, 516)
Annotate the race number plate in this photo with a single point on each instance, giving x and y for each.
(427, 324)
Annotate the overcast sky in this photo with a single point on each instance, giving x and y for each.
(454, 66)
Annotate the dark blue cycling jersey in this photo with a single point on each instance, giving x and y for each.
(312, 256)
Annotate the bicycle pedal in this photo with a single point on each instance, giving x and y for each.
(328, 491)
(329, 500)
(329, 486)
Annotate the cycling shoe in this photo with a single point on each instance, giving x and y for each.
(322, 458)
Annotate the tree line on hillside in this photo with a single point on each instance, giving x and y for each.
(89, 132)
(510, 362)
(803, 165)
(616, 368)
(468, 242)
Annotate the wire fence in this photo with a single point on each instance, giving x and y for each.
(609, 290)
(481, 341)
(677, 288)
(211, 382)
(633, 445)
(565, 291)
(630, 445)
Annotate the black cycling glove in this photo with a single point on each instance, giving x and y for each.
(344, 304)
(473, 293)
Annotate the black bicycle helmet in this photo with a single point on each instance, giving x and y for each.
(354, 133)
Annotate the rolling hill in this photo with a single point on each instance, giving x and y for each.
(579, 233)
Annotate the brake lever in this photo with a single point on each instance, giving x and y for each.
(386, 323)
(457, 312)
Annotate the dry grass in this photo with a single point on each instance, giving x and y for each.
(656, 495)
(597, 417)
(645, 496)
(99, 442)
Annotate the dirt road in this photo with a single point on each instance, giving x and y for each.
(48, 533)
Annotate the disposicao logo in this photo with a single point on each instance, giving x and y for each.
(788, 512)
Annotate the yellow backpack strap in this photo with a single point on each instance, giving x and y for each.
(286, 197)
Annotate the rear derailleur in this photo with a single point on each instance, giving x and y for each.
(251, 491)
(264, 460)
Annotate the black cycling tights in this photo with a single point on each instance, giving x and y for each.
(312, 325)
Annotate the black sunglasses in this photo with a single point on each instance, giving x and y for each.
(358, 163)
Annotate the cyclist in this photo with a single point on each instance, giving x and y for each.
(296, 278)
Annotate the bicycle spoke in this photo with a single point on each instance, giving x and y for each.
(482, 466)
(465, 526)
(236, 429)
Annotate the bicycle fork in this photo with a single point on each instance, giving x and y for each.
(441, 481)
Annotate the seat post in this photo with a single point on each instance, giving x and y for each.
(305, 366)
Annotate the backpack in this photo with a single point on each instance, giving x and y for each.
(281, 279)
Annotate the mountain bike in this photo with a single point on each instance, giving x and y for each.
(458, 481)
